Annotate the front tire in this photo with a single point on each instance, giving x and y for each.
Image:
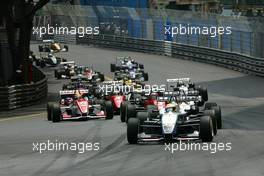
(218, 115)
(206, 129)
(56, 114)
(203, 92)
(132, 130)
(109, 110)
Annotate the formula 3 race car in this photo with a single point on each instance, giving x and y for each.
(49, 60)
(77, 104)
(65, 70)
(172, 124)
(51, 46)
(123, 63)
(131, 74)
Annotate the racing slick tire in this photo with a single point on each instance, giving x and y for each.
(130, 111)
(58, 75)
(141, 66)
(49, 111)
(132, 130)
(109, 110)
(218, 114)
(55, 113)
(150, 109)
(212, 114)
(123, 111)
(66, 48)
(37, 62)
(113, 67)
(206, 129)
(203, 92)
(55, 73)
(146, 77)
(42, 64)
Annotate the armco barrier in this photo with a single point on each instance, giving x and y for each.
(235, 61)
(23, 95)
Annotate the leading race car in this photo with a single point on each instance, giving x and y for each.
(51, 46)
(187, 121)
(123, 63)
(174, 123)
(78, 104)
(131, 74)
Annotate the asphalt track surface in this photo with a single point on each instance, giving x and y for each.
(240, 96)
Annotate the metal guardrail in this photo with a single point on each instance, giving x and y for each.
(234, 61)
(23, 95)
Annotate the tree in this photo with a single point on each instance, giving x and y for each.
(18, 18)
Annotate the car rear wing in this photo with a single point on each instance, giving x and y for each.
(176, 80)
(48, 41)
(68, 62)
(72, 92)
(180, 92)
(113, 82)
(180, 98)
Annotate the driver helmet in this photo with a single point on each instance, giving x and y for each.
(129, 81)
(68, 101)
(78, 94)
(171, 107)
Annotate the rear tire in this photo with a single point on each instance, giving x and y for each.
(113, 67)
(58, 75)
(49, 111)
(130, 111)
(218, 115)
(102, 77)
(123, 111)
(109, 110)
(56, 113)
(132, 130)
(42, 64)
(206, 129)
(146, 77)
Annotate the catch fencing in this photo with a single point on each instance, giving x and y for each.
(144, 30)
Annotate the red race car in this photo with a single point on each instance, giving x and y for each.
(78, 104)
(140, 102)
